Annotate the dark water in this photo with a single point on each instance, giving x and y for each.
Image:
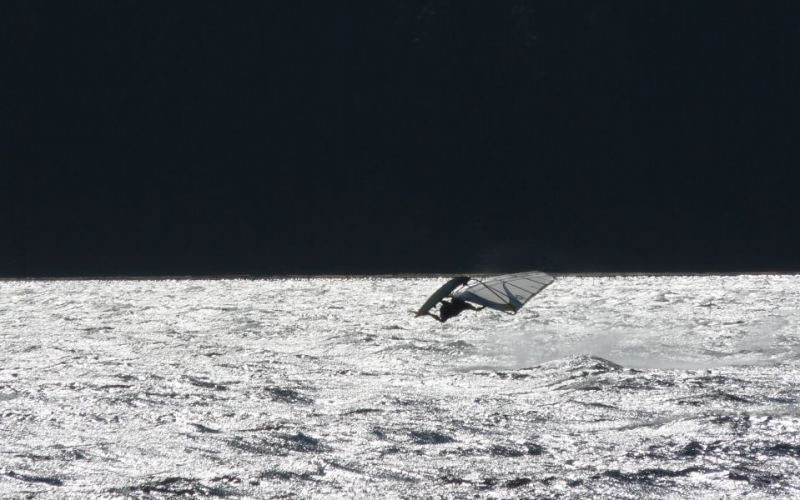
(626, 387)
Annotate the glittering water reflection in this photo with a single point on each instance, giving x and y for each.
(607, 386)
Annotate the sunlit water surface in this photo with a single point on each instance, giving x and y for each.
(601, 386)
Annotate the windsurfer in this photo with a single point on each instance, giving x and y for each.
(506, 293)
(452, 308)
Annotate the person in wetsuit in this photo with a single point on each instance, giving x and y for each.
(452, 308)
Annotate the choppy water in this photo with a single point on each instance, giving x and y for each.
(620, 386)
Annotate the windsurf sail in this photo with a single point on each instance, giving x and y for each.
(507, 293)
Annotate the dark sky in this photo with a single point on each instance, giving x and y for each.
(394, 136)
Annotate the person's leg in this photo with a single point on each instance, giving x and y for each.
(437, 318)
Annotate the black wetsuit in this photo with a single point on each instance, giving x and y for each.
(452, 308)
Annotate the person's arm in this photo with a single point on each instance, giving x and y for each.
(473, 307)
